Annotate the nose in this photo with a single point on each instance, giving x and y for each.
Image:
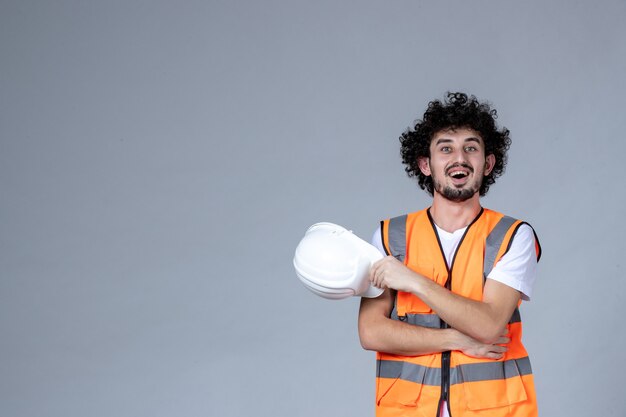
(459, 156)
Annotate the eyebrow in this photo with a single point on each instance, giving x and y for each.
(470, 139)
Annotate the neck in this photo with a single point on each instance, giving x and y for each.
(450, 215)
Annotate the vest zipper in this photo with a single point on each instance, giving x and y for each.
(445, 356)
(445, 367)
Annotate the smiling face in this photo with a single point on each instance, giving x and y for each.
(457, 163)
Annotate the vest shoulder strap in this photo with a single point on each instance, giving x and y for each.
(394, 236)
(494, 242)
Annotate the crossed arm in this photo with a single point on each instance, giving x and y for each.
(478, 327)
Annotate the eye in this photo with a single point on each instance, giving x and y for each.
(445, 149)
(471, 149)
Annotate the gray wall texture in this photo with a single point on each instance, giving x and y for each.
(159, 162)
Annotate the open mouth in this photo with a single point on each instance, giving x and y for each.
(458, 174)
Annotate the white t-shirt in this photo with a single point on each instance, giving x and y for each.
(517, 268)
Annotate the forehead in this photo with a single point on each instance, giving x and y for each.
(459, 135)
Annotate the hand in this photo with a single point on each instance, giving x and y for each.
(391, 273)
(474, 348)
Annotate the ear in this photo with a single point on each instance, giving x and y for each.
(490, 162)
(424, 164)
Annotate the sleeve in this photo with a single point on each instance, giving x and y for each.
(518, 267)
(377, 241)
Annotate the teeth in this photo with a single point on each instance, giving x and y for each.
(453, 173)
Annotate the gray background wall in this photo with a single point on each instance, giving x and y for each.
(160, 161)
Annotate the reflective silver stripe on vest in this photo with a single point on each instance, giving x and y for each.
(397, 237)
(424, 320)
(486, 371)
(433, 321)
(409, 372)
(494, 241)
(489, 371)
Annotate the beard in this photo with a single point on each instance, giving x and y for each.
(457, 195)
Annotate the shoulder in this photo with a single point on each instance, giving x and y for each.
(523, 235)
(517, 268)
(524, 238)
(377, 240)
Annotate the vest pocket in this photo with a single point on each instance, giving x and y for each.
(409, 303)
(403, 388)
(495, 392)
(397, 391)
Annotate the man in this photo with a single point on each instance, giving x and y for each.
(447, 330)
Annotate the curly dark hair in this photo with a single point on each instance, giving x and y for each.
(458, 111)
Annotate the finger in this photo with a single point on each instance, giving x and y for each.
(373, 278)
(375, 272)
(498, 349)
(382, 283)
(502, 340)
(377, 279)
(379, 282)
(493, 355)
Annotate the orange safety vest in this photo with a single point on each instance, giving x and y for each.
(417, 385)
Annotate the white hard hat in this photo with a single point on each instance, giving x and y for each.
(334, 263)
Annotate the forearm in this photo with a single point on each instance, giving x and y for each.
(477, 319)
(378, 332)
(398, 338)
(383, 334)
